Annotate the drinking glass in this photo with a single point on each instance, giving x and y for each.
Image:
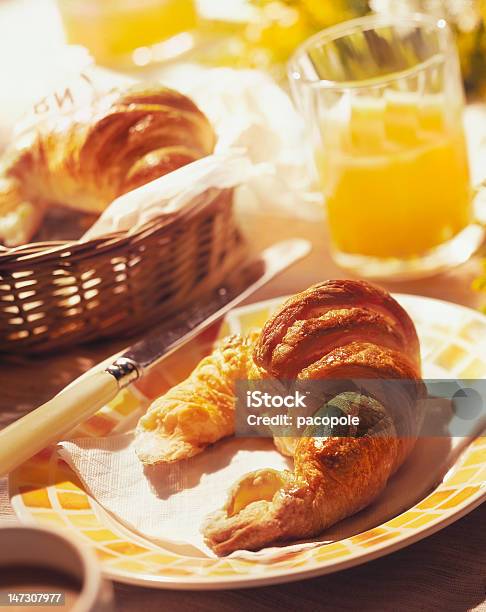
(383, 100)
(129, 31)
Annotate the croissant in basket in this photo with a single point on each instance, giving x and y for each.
(85, 161)
(336, 329)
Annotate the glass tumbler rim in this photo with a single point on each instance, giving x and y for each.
(367, 22)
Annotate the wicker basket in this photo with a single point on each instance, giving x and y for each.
(54, 294)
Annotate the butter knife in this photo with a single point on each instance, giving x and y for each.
(87, 394)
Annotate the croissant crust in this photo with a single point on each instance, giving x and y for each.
(340, 306)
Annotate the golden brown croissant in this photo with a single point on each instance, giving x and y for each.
(200, 410)
(333, 478)
(336, 329)
(85, 161)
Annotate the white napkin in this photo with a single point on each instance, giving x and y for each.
(173, 192)
(167, 504)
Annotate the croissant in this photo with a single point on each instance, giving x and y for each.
(336, 329)
(85, 161)
(200, 410)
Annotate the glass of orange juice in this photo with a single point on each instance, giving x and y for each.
(383, 101)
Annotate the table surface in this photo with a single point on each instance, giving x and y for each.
(447, 571)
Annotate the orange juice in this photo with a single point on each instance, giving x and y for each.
(395, 176)
(113, 28)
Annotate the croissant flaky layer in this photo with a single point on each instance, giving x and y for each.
(200, 410)
(334, 330)
(87, 160)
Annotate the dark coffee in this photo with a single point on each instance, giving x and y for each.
(16, 580)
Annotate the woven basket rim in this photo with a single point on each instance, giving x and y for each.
(34, 251)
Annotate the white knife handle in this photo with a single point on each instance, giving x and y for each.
(48, 423)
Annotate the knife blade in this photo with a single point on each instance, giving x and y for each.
(86, 395)
(244, 281)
